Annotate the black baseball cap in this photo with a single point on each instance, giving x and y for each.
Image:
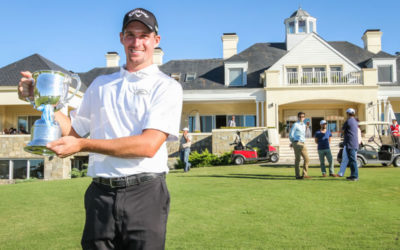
(142, 15)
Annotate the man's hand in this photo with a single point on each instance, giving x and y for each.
(25, 86)
(65, 146)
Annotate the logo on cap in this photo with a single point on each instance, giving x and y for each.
(138, 13)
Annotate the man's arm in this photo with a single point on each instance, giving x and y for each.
(144, 145)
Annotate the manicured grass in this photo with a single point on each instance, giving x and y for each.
(246, 207)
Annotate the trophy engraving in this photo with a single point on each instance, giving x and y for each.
(50, 94)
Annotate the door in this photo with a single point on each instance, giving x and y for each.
(220, 121)
(315, 124)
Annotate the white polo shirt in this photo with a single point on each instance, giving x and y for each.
(124, 104)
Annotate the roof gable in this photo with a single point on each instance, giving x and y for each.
(313, 50)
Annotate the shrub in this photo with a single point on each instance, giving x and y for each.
(84, 172)
(205, 158)
(75, 173)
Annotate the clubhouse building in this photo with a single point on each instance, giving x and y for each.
(265, 85)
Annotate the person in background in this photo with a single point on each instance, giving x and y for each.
(297, 139)
(323, 139)
(345, 160)
(232, 122)
(351, 143)
(395, 131)
(308, 130)
(184, 148)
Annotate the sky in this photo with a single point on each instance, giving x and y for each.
(77, 34)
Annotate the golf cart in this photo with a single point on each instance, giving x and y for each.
(243, 153)
(386, 154)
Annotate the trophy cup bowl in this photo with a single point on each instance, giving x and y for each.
(50, 94)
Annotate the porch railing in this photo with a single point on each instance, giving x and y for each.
(321, 78)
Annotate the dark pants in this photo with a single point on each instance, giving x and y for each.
(134, 217)
(352, 155)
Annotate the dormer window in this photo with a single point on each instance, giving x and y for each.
(190, 76)
(176, 76)
(385, 74)
(236, 73)
(235, 77)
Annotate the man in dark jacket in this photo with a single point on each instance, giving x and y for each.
(350, 130)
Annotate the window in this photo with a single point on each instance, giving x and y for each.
(385, 73)
(311, 26)
(4, 169)
(250, 121)
(314, 75)
(176, 76)
(235, 73)
(292, 75)
(332, 126)
(291, 27)
(206, 123)
(25, 123)
(36, 169)
(190, 76)
(22, 169)
(192, 121)
(302, 26)
(235, 77)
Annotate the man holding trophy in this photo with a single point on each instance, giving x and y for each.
(129, 115)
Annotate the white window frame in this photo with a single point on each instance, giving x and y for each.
(233, 65)
(177, 76)
(190, 74)
(385, 62)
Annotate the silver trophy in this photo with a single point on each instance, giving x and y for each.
(50, 94)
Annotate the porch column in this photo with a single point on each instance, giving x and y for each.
(197, 122)
(262, 114)
(257, 115)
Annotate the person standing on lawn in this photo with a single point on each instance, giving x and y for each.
(297, 138)
(129, 116)
(351, 143)
(323, 139)
(184, 148)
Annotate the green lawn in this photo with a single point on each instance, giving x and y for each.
(246, 207)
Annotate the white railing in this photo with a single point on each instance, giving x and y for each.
(321, 78)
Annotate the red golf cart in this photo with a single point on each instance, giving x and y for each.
(245, 153)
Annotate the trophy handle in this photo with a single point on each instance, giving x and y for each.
(27, 98)
(78, 86)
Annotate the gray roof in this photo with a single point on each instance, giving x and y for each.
(210, 72)
(300, 12)
(10, 74)
(88, 77)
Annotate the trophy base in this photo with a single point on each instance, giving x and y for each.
(39, 150)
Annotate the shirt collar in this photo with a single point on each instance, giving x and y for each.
(141, 74)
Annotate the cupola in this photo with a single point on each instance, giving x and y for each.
(298, 26)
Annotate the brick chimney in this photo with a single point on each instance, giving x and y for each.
(112, 59)
(229, 44)
(372, 40)
(158, 56)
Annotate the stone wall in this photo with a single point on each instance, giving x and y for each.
(12, 147)
(200, 142)
(221, 138)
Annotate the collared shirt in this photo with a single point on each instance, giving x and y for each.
(232, 123)
(124, 104)
(350, 129)
(298, 132)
